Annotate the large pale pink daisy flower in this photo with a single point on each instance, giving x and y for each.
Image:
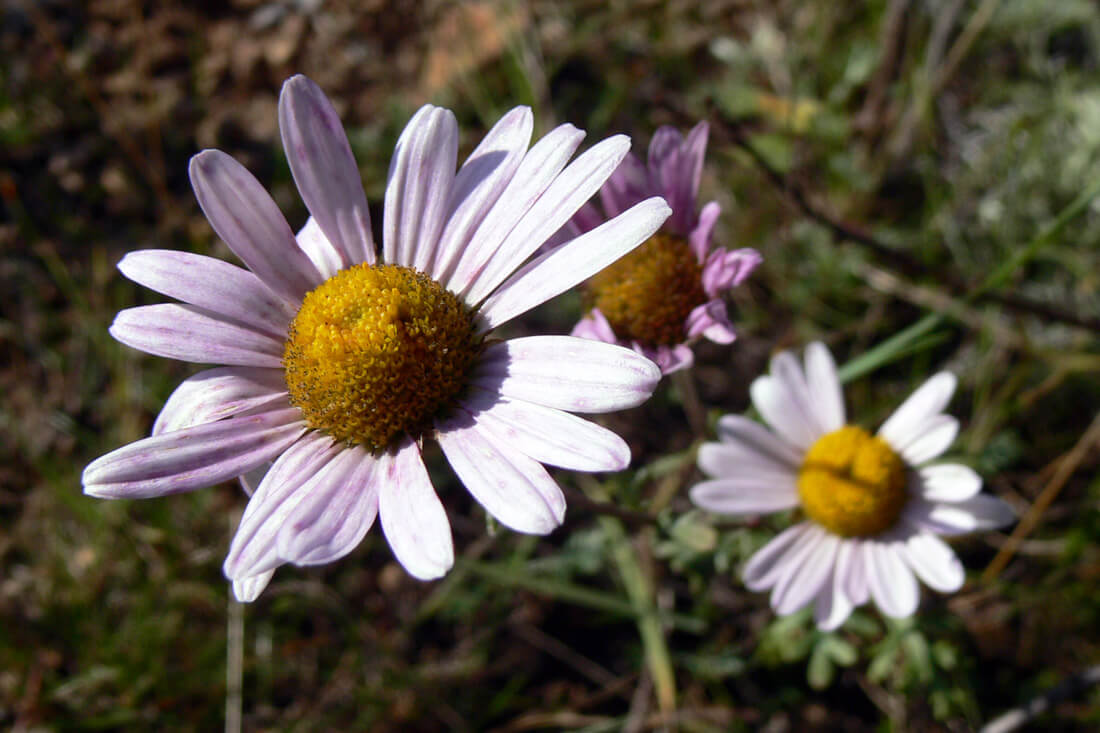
(339, 362)
(874, 505)
(666, 294)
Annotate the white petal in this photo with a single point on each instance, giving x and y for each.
(832, 606)
(549, 435)
(411, 514)
(891, 581)
(978, 512)
(230, 291)
(798, 588)
(572, 263)
(744, 495)
(780, 556)
(722, 460)
(247, 219)
(540, 166)
(192, 334)
(853, 577)
(784, 412)
(324, 169)
(193, 458)
(908, 421)
(824, 387)
(219, 393)
(334, 513)
(934, 562)
(754, 437)
(949, 482)
(321, 252)
(565, 194)
(253, 550)
(486, 175)
(515, 489)
(249, 589)
(936, 435)
(418, 192)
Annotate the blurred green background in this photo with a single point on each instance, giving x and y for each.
(884, 157)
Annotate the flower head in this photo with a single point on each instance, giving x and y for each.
(874, 506)
(667, 293)
(338, 362)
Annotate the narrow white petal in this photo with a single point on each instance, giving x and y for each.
(550, 211)
(321, 252)
(773, 560)
(572, 263)
(512, 487)
(801, 587)
(832, 606)
(219, 393)
(934, 562)
(324, 169)
(249, 221)
(892, 584)
(909, 419)
(949, 482)
(192, 334)
(193, 458)
(936, 434)
(549, 435)
(249, 589)
(418, 192)
(732, 460)
(978, 512)
(824, 387)
(854, 578)
(538, 169)
(783, 413)
(754, 437)
(411, 514)
(230, 291)
(744, 495)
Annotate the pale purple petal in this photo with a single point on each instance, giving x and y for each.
(710, 321)
(755, 438)
(594, 326)
(549, 435)
(192, 458)
(249, 589)
(744, 495)
(552, 209)
(891, 582)
(587, 218)
(910, 420)
(418, 191)
(699, 241)
(775, 559)
(233, 293)
(824, 387)
(933, 561)
(668, 358)
(192, 334)
(675, 169)
(485, 176)
(253, 550)
(567, 373)
(334, 513)
(799, 588)
(949, 482)
(572, 263)
(247, 219)
(319, 250)
(219, 393)
(512, 487)
(324, 169)
(626, 186)
(411, 514)
(538, 169)
(977, 512)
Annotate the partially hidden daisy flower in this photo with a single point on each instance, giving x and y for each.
(339, 362)
(666, 294)
(874, 507)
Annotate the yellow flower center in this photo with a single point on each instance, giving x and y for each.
(376, 352)
(647, 295)
(852, 483)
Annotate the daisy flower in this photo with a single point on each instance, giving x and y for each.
(874, 507)
(338, 362)
(666, 294)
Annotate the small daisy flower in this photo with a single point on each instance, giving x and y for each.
(666, 294)
(874, 506)
(339, 362)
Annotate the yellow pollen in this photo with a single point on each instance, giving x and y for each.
(376, 352)
(852, 483)
(647, 295)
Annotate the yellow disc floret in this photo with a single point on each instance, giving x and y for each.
(647, 295)
(376, 352)
(852, 483)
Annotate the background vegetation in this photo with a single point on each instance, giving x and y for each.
(886, 157)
